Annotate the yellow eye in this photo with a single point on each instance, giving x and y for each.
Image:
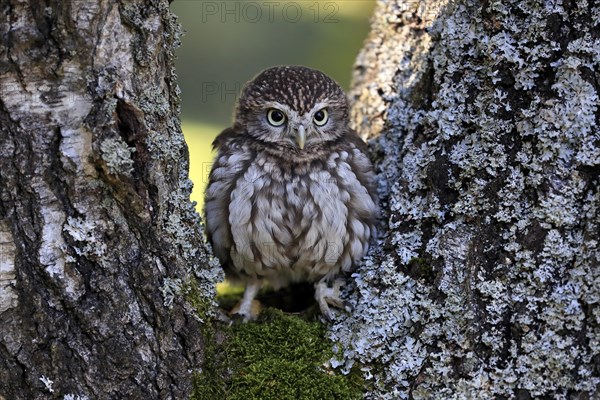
(320, 118)
(275, 117)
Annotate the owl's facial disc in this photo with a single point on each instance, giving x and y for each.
(297, 129)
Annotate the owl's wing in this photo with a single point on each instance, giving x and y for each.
(223, 138)
(230, 164)
(361, 164)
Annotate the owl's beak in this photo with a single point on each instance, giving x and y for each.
(301, 137)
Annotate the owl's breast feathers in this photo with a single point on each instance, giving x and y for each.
(286, 218)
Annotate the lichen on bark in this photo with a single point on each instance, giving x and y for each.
(486, 124)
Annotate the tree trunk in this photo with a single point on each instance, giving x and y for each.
(98, 239)
(487, 281)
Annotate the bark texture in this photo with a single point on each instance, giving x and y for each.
(97, 234)
(487, 284)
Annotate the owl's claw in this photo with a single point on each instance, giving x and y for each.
(248, 307)
(329, 296)
(246, 316)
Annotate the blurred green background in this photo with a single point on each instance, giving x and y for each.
(226, 43)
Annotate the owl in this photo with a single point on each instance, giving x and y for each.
(291, 195)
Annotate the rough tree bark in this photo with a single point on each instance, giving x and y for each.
(97, 234)
(487, 283)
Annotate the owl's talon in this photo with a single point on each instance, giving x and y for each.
(329, 296)
(328, 315)
(222, 316)
(239, 315)
(248, 307)
(236, 318)
(348, 306)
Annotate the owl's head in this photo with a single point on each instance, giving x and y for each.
(292, 106)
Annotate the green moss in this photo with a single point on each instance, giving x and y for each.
(279, 356)
(209, 382)
(196, 299)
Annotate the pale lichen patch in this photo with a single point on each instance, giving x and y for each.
(170, 289)
(117, 156)
(71, 396)
(8, 295)
(85, 233)
(47, 383)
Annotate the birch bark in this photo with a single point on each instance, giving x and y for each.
(97, 235)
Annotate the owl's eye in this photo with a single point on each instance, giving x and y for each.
(320, 118)
(275, 117)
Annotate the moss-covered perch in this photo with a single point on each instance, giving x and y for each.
(279, 356)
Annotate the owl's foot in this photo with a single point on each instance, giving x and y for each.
(248, 307)
(329, 296)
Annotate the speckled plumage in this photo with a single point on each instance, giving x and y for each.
(294, 202)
